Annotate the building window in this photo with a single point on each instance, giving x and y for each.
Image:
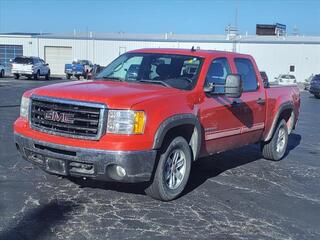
(8, 52)
(291, 68)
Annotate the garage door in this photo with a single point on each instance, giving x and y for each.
(57, 57)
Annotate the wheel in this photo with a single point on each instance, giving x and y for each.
(1, 73)
(16, 76)
(317, 95)
(36, 76)
(48, 75)
(68, 76)
(78, 77)
(277, 146)
(172, 172)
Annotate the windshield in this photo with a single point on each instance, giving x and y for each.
(169, 70)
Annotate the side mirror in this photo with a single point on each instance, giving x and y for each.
(46, 64)
(233, 86)
(208, 88)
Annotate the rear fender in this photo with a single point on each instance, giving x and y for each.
(283, 107)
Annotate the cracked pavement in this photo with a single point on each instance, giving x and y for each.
(231, 195)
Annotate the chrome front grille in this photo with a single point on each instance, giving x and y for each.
(68, 118)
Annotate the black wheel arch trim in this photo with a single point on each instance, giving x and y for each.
(176, 121)
(283, 107)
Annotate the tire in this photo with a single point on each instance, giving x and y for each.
(16, 76)
(1, 73)
(48, 75)
(277, 146)
(177, 151)
(36, 76)
(78, 77)
(317, 95)
(68, 76)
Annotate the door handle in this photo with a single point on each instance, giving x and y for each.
(261, 101)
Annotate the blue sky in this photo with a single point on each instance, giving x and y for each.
(156, 16)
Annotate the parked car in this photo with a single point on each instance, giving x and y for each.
(1, 70)
(147, 118)
(265, 78)
(78, 68)
(286, 79)
(315, 86)
(307, 83)
(30, 67)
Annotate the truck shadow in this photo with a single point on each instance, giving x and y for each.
(212, 166)
(242, 111)
(37, 223)
(202, 169)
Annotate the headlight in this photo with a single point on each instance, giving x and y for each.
(126, 122)
(24, 107)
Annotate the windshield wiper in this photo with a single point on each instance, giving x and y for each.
(113, 78)
(189, 80)
(155, 81)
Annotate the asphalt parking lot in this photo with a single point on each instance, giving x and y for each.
(232, 195)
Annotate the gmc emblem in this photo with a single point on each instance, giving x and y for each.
(59, 117)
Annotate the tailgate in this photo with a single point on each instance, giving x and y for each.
(77, 68)
(18, 67)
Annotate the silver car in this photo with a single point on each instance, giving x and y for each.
(30, 67)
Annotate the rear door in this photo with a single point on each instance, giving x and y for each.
(252, 102)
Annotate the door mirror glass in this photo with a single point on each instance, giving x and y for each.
(233, 86)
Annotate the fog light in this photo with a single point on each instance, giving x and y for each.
(120, 171)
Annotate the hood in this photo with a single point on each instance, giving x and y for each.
(114, 94)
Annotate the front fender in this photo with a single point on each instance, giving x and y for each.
(179, 120)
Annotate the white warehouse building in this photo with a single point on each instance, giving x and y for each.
(298, 55)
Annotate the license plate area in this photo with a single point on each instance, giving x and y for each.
(56, 166)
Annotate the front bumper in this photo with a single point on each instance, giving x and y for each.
(83, 162)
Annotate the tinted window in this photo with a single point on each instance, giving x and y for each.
(217, 74)
(23, 60)
(247, 73)
(316, 78)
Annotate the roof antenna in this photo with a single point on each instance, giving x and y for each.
(192, 49)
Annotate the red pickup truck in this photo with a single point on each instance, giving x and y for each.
(150, 114)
